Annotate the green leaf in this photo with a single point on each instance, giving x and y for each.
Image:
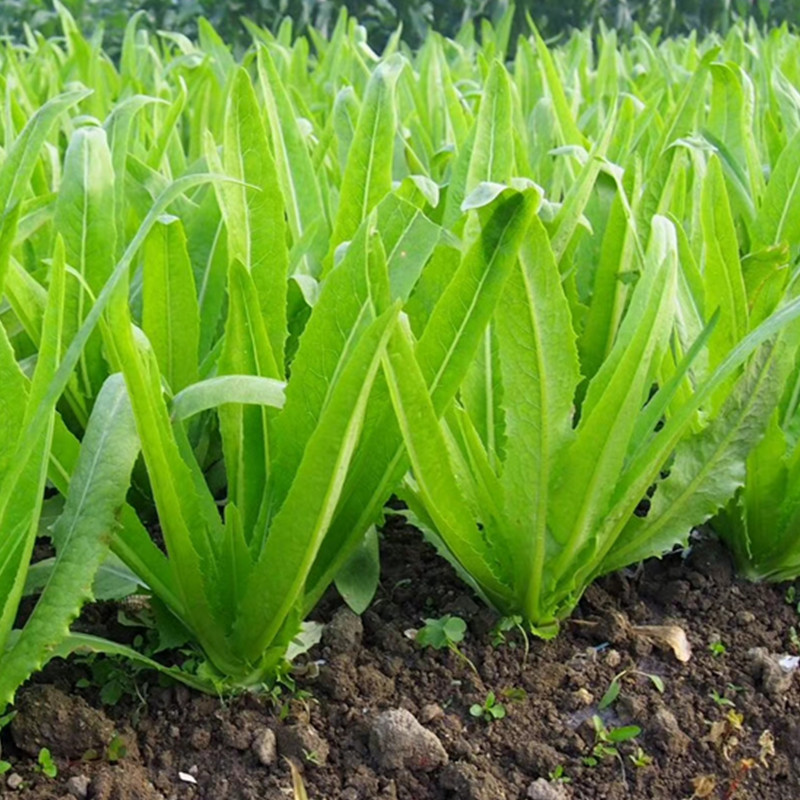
(170, 312)
(612, 693)
(357, 581)
(295, 170)
(214, 392)
(709, 466)
(442, 632)
(97, 492)
(778, 218)
(724, 283)
(368, 174)
(585, 473)
(436, 482)
(534, 329)
(84, 216)
(624, 733)
(254, 209)
(23, 481)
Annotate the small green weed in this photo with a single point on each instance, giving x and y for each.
(606, 740)
(640, 758)
(45, 764)
(116, 750)
(491, 709)
(506, 625)
(720, 699)
(615, 687)
(445, 632)
(558, 775)
(717, 649)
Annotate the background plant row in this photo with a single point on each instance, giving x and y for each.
(381, 19)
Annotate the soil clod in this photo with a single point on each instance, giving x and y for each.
(397, 740)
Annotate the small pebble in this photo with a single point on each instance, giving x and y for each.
(265, 747)
(430, 712)
(584, 696)
(78, 786)
(14, 781)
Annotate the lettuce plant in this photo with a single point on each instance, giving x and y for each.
(760, 525)
(241, 582)
(533, 514)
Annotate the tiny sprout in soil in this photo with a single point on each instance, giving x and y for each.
(614, 688)
(116, 750)
(640, 758)
(717, 649)
(490, 710)
(792, 598)
(720, 699)
(605, 739)
(507, 625)
(46, 765)
(445, 632)
(558, 775)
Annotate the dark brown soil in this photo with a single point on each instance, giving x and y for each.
(745, 746)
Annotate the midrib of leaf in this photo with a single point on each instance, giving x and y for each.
(784, 213)
(84, 367)
(207, 271)
(534, 596)
(370, 162)
(244, 190)
(464, 319)
(260, 370)
(492, 134)
(165, 245)
(489, 391)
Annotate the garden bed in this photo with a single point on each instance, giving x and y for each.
(725, 726)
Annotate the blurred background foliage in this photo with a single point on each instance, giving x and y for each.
(381, 17)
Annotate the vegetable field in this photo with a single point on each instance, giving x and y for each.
(463, 340)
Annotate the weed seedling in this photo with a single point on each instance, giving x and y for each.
(640, 758)
(46, 765)
(514, 694)
(717, 649)
(490, 710)
(720, 699)
(605, 741)
(5, 766)
(116, 750)
(558, 775)
(614, 688)
(504, 626)
(792, 598)
(445, 632)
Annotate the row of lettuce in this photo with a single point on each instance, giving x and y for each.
(550, 304)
